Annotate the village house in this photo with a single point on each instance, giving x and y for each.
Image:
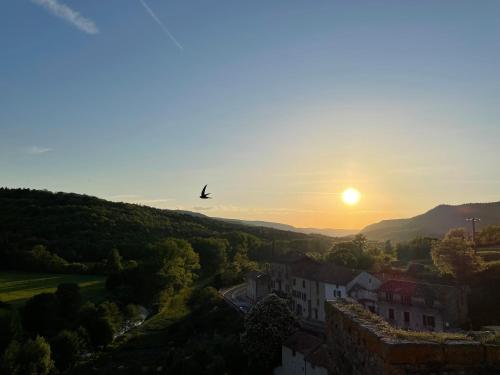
(310, 284)
(422, 306)
(257, 285)
(280, 272)
(313, 284)
(303, 354)
(364, 289)
(405, 304)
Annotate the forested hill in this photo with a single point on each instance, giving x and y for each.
(434, 223)
(84, 228)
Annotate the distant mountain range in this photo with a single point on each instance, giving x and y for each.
(324, 231)
(434, 223)
(268, 224)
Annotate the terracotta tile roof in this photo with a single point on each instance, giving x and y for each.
(302, 342)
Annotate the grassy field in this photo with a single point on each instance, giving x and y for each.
(17, 287)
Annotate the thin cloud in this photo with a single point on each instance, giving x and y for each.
(36, 150)
(161, 24)
(199, 208)
(69, 15)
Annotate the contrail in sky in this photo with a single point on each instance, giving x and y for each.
(69, 15)
(161, 24)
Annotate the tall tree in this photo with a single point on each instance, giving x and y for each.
(388, 247)
(360, 242)
(455, 255)
(10, 326)
(100, 328)
(267, 326)
(459, 233)
(33, 357)
(212, 252)
(176, 262)
(344, 254)
(417, 248)
(114, 264)
(66, 348)
(70, 301)
(41, 315)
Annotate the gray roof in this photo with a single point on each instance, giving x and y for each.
(326, 273)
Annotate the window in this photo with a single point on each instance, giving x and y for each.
(316, 313)
(317, 302)
(294, 281)
(406, 300)
(429, 321)
(407, 317)
(303, 283)
(388, 296)
(391, 314)
(317, 286)
(293, 352)
(339, 293)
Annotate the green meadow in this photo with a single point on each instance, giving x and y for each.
(17, 287)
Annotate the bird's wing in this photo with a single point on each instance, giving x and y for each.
(203, 191)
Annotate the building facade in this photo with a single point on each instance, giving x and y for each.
(257, 285)
(412, 305)
(310, 284)
(363, 289)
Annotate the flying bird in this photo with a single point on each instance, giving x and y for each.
(205, 195)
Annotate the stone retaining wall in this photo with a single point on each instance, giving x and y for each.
(357, 348)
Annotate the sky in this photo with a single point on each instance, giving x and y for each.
(277, 105)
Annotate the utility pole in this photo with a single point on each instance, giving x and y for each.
(473, 220)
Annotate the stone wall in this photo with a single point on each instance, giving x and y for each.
(357, 346)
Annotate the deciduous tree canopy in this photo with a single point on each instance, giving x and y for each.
(267, 326)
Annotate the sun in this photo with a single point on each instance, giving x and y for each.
(351, 196)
